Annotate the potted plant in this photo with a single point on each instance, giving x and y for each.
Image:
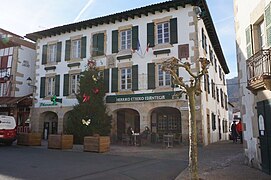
(88, 121)
(60, 141)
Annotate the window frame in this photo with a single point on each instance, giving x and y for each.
(163, 38)
(76, 48)
(166, 77)
(52, 53)
(124, 78)
(125, 39)
(50, 86)
(76, 85)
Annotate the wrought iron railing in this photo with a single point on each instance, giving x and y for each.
(259, 65)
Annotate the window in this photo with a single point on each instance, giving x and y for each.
(217, 94)
(3, 89)
(75, 79)
(50, 86)
(126, 79)
(163, 33)
(222, 98)
(261, 35)
(204, 40)
(76, 48)
(52, 52)
(164, 78)
(126, 39)
(213, 122)
(98, 44)
(168, 122)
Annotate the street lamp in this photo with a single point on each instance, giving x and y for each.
(29, 82)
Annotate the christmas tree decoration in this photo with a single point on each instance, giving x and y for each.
(95, 90)
(85, 98)
(89, 117)
(86, 122)
(91, 64)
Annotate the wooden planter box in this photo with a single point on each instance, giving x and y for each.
(29, 139)
(58, 141)
(96, 143)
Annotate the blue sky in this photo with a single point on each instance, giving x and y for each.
(27, 16)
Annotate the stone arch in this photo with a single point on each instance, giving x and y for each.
(49, 123)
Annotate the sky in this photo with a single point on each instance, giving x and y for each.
(27, 16)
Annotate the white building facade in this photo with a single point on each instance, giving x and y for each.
(253, 37)
(129, 48)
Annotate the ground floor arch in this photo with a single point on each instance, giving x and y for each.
(127, 118)
(50, 123)
(166, 120)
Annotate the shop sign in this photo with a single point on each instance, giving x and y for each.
(140, 97)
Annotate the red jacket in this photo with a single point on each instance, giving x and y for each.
(239, 127)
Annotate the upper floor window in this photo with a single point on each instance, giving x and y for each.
(164, 78)
(74, 81)
(52, 53)
(204, 40)
(126, 79)
(76, 48)
(50, 83)
(98, 44)
(163, 33)
(126, 39)
(261, 35)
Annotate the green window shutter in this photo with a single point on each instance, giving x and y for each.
(68, 50)
(135, 77)
(66, 85)
(106, 80)
(95, 45)
(134, 37)
(115, 41)
(267, 14)
(83, 47)
(101, 44)
(114, 83)
(173, 31)
(44, 54)
(151, 75)
(57, 84)
(42, 87)
(248, 42)
(150, 34)
(58, 57)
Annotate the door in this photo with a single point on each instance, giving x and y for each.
(208, 129)
(54, 128)
(264, 115)
(120, 124)
(45, 130)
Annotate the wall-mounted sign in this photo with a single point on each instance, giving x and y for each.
(140, 97)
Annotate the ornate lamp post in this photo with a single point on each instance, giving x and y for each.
(192, 88)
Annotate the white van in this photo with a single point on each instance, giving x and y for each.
(7, 129)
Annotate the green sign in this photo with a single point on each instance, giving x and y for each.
(140, 97)
(54, 100)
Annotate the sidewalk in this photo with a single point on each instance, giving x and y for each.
(218, 161)
(224, 161)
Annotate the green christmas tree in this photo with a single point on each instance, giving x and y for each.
(89, 116)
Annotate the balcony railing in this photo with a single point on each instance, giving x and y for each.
(259, 71)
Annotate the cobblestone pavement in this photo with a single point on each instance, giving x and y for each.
(224, 161)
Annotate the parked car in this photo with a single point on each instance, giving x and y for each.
(7, 129)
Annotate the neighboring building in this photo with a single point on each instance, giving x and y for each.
(128, 48)
(253, 37)
(17, 63)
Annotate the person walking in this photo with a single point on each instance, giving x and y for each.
(234, 133)
(240, 130)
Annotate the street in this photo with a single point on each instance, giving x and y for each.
(22, 162)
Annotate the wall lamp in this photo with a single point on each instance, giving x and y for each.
(29, 82)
